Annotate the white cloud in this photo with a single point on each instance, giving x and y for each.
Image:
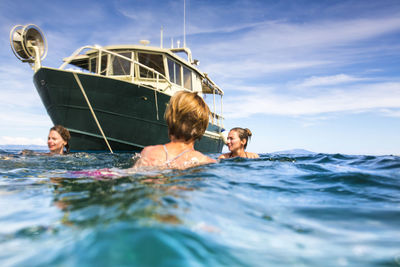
(253, 68)
(330, 80)
(23, 119)
(357, 98)
(278, 47)
(14, 75)
(13, 140)
(14, 100)
(390, 112)
(275, 35)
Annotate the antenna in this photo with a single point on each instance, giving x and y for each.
(184, 23)
(161, 37)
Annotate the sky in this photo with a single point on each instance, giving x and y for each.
(318, 75)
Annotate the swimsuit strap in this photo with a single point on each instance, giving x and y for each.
(168, 162)
(166, 152)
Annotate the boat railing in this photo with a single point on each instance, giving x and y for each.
(157, 76)
(216, 119)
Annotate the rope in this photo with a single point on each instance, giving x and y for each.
(155, 97)
(91, 110)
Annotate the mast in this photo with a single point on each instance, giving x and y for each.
(184, 23)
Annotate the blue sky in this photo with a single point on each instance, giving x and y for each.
(318, 75)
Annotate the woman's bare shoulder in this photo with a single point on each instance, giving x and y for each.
(151, 156)
(252, 155)
(150, 150)
(224, 156)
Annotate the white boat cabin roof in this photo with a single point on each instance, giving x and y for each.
(164, 61)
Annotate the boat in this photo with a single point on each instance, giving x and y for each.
(113, 98)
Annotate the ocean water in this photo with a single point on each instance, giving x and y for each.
(278, 210)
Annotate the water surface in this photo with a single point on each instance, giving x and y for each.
(278, 210)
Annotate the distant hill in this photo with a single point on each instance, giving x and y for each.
(295, 151)
(21, 147)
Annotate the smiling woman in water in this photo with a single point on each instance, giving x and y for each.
(58, 139)
(237, 142)
(57, 142)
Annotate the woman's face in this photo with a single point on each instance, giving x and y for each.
(233, 141)
(55, 142)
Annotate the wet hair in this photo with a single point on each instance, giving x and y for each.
(64, 133)
(187, 116)
(243, 133)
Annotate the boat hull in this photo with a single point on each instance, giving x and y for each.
(131, 116)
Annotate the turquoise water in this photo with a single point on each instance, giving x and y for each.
(279, 210)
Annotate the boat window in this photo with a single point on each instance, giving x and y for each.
(82, 64)
(104, 60)
(121, 66)
(152, 61)
(174, 72)
(93, 64)
(187, 78)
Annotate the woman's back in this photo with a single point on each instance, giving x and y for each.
(187, 118)
(172, 155)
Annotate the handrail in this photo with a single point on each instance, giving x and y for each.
(210, 83)
(100, 49)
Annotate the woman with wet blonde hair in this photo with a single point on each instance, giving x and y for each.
(187, 119)
(237, 141)
(187, 116)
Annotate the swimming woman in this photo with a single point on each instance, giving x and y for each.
(237, 141)
(57, 142)
(187, 119)
(58, 139)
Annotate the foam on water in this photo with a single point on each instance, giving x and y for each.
(278, 210)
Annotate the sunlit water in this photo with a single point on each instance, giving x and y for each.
(279, 210)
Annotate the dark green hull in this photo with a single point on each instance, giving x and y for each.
(130, 115)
